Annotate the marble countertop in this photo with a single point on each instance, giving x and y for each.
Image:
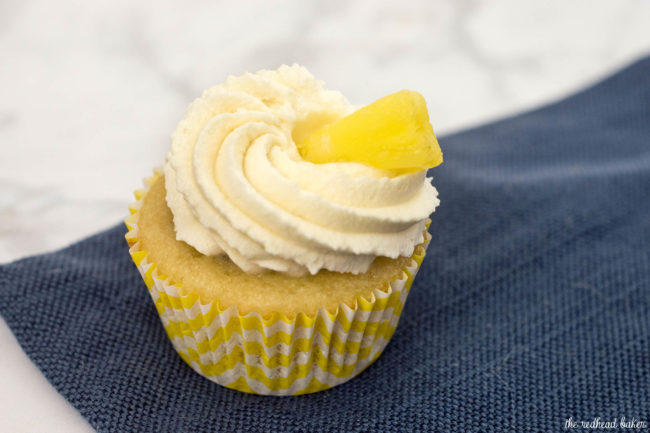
(90, 92)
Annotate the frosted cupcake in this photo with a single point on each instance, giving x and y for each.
(280, 241)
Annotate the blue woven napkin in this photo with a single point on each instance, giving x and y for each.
(531, 310)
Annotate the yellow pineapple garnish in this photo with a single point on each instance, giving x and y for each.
(392, 133)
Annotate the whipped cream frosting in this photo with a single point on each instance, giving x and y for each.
(237, 185)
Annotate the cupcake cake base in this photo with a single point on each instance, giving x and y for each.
(269, 333)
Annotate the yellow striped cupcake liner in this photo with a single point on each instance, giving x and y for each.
(274, 355)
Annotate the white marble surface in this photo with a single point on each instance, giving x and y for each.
(90, 91)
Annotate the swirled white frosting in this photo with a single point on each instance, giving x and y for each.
(236, 183)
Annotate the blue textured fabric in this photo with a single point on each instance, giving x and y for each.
(532, 305)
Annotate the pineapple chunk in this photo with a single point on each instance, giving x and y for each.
(392, 133)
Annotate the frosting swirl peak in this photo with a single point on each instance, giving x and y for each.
(236, 183)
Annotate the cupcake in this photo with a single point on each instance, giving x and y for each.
(281, 238)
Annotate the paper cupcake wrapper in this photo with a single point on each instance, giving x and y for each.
(274, 355)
